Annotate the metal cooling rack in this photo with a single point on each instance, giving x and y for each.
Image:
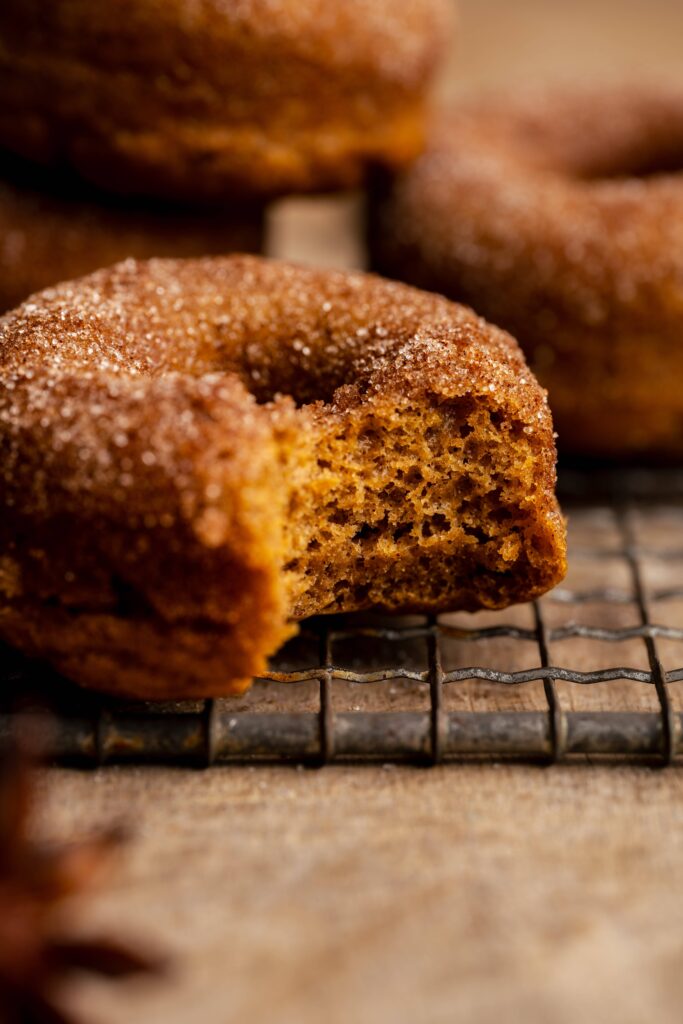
(92, 730)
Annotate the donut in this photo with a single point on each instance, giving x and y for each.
(50, 232)
(182, 99)
(560, 217)
(195, 454)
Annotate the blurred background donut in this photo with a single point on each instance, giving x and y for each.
(559, 215)
(195, 101)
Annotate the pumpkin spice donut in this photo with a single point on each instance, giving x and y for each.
(195, 453)
(560, 217)
(185, 100)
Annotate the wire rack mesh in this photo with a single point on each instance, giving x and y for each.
(624, 594)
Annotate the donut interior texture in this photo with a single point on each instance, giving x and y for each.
(559, 216)
(196, 453)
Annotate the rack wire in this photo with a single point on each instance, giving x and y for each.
(92, 730)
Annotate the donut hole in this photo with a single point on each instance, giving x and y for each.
(297, 374)
(313, 384)
(302, 393)
(309, 360)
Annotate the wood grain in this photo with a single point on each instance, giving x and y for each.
(480, 893)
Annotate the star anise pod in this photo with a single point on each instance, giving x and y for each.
(37, 954)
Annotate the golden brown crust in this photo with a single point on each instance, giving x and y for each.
(165, 510)
(561, 218)
(50, 233)
(204, 100)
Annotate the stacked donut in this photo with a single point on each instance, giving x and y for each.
(161, 127)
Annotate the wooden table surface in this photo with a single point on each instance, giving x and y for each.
(388, 895)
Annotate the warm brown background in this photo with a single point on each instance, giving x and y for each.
(389, 895)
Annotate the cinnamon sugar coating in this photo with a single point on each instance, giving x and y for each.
(560, 217)
(202, 100)
(195, 453)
